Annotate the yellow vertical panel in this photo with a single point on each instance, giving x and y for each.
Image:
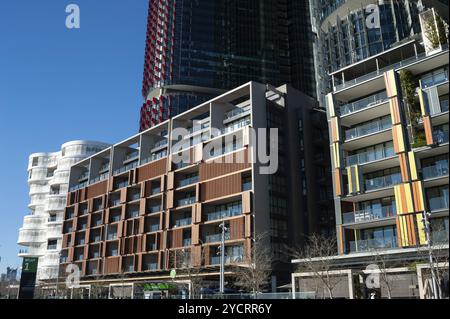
(409, 200)
(404, 167)
(336, 155)
(412, 165)
(350, 181)
(398, 139)
(422, 102)
(395, 111)
(422, 237)
(358, 185)
(419, 205)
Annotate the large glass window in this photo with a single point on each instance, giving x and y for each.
(437, 198)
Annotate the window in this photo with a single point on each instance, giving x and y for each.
(35, 161)
(52, 244)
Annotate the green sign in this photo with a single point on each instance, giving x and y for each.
(173, 273)
(30, 264)
(158, 286)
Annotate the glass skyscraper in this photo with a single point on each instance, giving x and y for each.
(197, 49)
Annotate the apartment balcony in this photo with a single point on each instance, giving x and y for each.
(33, 222)
(31, 251)
(31, 236)
(187, 242)
(54, 231)
(373, 158)
(439, 237)
(83, 177)
(365, 109)
(154, 209)
(236, 259)
(126, 168)
(183, 222)
(188, 181)
(440, 136)
(159, 145)
(214, 238)
(236, 113)
(372, 244)
(438, 203)
(186, 201)
(216, 215)
(382, 182)
(38, 189)
(378, 215)
(432, 174)
(368, 134)
(56, 203)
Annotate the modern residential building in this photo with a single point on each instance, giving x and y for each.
(389, 125)
(349, 31)
(139, 207)
(196, 50)
(48, 178)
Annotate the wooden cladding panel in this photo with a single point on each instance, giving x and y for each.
(112, 265)
(221, 187)
(418, 198)
(412, 165)
(390, 83)
(96, 189)
(169, 199)
(354, 179)
(248, 226)
(237, 228)
(170, 180)
(336, 155)
(196, 253)
(195, 234)
(123, 195)
(407, 230)
(177, 238)
(330, 105)
(338, 182)
(224, 165)
(151, 170)
(197, 213)
(395, 111)
(398, 138)
(247, 202)
(428, 130)
(334, 124)
(403, 198)
(404, 167)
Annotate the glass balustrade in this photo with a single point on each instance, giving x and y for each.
(363, 103)
(186, 201)
(434, 171)
(183, 222)
(370, 156)
(373, 244)
(371, 214)
(368, 128)
(382, 181)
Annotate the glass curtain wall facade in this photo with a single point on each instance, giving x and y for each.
(198, 49)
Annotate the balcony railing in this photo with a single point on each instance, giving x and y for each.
(364, 103)
(371, 214)
(435, 171)
(366, 129)
(183, 222)
(440, 136)
(154, 209)
(131, 156)
(222, 214)
(186, 201)
(83, 176)
(154, 227)
(439, 237)
(126, 168)
(372, 244)
(236, 112)
(150, 266)
(373, 74)
(187, 242)
(215, 260)
(436, 80)
(156, 190)
(382, 181)
(438, 203)
(188, 181)
(370, 156)
(215, 238)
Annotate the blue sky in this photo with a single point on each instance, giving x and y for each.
(58, 85)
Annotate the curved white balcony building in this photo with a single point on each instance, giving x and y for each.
(48, 179)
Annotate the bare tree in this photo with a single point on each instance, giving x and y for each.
(317, 258)
(254, 276)
(387, 279)
(182, 260)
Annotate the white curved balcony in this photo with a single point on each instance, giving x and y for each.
(56, 202)
(35, 200)
(60, 177)
(37, 174)
(54, 231)
(32, 251)
(33, 222)
(38, 189)
(31, 236)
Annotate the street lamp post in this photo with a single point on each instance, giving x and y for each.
(222, 257)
